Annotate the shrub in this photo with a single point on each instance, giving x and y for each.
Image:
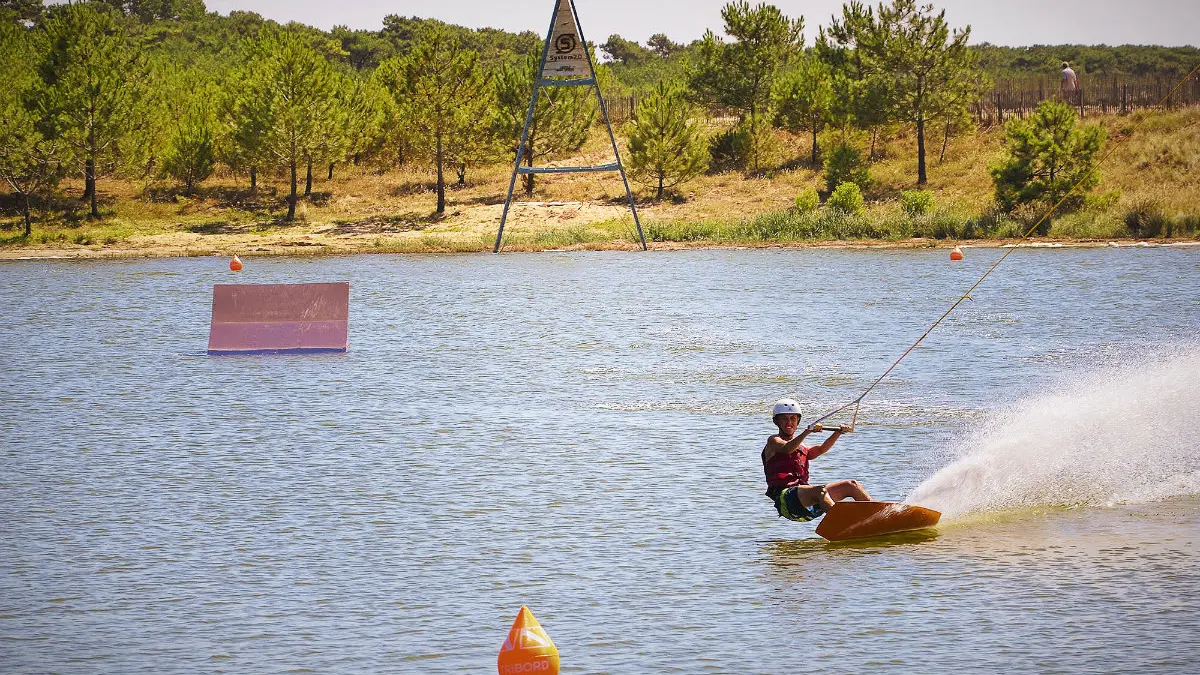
(845, 164)
(1090, 225)
(736, 148)
(1048, 153)
(1102, 202)
(846, 198)
(807, 201)
(943, 225)
(666, 148)
(1146, 219)
(190, 157)
(916, 202)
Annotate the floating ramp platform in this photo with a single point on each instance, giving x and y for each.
(279, 318)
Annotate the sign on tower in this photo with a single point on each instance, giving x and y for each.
(567, 54)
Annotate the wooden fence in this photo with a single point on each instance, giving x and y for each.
(1096, 95)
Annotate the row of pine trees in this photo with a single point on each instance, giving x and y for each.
(136, 89)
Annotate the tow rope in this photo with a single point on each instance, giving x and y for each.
(857, 403)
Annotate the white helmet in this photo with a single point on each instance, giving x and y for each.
(785, 406)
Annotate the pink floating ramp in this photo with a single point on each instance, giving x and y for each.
(279, 318)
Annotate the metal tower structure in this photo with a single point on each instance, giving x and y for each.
(571, 62)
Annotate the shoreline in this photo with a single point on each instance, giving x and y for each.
(251, 249)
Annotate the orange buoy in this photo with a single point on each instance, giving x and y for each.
(528, 649)
(956, 254)
(235, 264)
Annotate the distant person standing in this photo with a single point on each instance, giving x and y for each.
(1070, 83)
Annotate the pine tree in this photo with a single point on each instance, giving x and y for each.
(914, 54)
(29, 162)
(803, 98)
(90, 93)
(740, 74)
(666, 147)
(441, 89)
(1047, 153)
(365, 109)
(288, 97)
(191, 154)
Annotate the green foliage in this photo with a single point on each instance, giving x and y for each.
(148, 11)
(364, 49)
(916, 202)
(666, 146)
(443, 96)
(846, 198)
(845, 164)
(739, 146)
(89, 94)
(1040, 60)
(191, 155)
(1102, 202)
(1147, 218)
(621, 50)
(808, 201)
(286, 103)
(1047, 154)
(21, 10)
(926, 69)
(30, 163)
(367, 106)
(662, 46)
(740, 74)
(803, 98)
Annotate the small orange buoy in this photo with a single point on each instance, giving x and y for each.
(235, 264)
(956, 254)
(528, 649)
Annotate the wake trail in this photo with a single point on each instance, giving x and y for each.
(1126, 433)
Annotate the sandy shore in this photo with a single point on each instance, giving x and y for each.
(308, 243)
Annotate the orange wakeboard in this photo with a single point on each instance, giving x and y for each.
(854, 520)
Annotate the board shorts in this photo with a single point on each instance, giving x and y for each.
(788, 505)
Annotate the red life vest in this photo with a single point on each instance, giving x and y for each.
(787, 469)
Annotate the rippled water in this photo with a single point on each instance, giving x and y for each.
(579, 433)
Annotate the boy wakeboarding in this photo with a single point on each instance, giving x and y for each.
(785, 462)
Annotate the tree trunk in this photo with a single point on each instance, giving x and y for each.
(308, 179)
(253, 178)
(89, 182)
(462, 174)
(291, 214)
(753, 135)
(441, 179)
(330, 177)
(921, 176)
(945, 142)
(25, 212)
(815, 151)
(874, 137)
(660, 187)
(529, 177)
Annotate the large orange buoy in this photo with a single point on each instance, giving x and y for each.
(235, 264)
(528, 649)
(956, 254)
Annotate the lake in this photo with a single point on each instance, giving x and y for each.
(580, 433)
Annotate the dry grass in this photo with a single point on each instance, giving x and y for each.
(1154, 173)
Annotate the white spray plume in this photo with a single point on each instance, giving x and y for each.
(1125, 434)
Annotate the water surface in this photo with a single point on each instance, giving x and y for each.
(579, 433)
